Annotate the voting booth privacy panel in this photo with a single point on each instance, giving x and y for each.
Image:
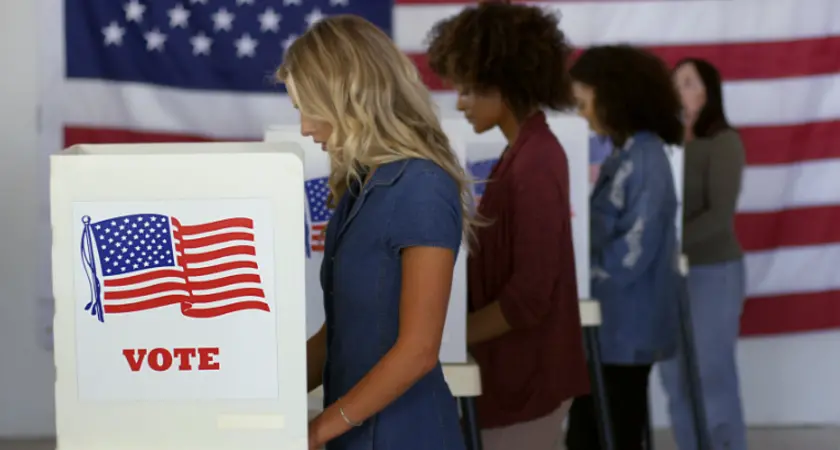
(179, 285)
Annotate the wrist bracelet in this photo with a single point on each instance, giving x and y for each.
(347, 419)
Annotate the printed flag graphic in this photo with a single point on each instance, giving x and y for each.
(599, 148)
(140, 262)
(317, 191)
(480, 172)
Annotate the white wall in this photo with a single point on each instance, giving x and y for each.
(787, 380)
(26, 370)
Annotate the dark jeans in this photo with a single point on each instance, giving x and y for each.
(627, 394)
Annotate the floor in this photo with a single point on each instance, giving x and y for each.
(760, 439)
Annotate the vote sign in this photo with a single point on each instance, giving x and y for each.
(161, 359)
(176, 300)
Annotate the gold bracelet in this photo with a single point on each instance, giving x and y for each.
(347, 419)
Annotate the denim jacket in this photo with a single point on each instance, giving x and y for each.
(635, 253)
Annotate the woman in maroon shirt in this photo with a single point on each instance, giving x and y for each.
(508, 63)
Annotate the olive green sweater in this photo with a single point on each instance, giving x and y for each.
(713, 170)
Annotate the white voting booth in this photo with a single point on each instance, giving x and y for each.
(179, 286)
(317, 169)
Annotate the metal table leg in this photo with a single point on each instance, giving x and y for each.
(472, 435)
(599, 393)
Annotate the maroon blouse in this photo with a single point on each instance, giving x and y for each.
(525, 260)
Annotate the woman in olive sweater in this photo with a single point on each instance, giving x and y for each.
(714, 162)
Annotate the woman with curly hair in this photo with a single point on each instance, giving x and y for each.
(626, 94)
(508, 64)
(386, 283)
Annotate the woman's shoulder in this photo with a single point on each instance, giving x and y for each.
(425, 206)
(540, 151)
(419, 167)
(425, 170)
(426, 175)
(409, 170)
(646, 155)
(542, 142)
(727, 139)
(647, 147)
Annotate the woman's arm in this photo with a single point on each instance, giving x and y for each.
(487, 323)
(644, 193)
(426, 284)
(722, 185)
(316, 356)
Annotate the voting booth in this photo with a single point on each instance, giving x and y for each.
(317, 169)
(483, 150)
(178, 277)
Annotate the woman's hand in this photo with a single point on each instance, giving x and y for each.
(316, 355)
(314, 439)
(326, 426)
(427, 281)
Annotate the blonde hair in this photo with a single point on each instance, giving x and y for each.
(347, 72)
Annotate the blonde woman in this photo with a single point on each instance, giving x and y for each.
(402, 204)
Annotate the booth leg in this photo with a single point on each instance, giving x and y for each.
(599, 393)
(472, 434)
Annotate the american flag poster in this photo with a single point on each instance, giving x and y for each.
(194, 70)
(175, 300)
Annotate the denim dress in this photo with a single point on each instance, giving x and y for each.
(406, 203)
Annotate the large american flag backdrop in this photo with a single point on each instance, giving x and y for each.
(193, 70)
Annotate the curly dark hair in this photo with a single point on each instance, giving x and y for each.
(633, 92)
(517, 49)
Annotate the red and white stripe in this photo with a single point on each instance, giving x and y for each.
(144, 290)
(317, 237)
(782, 91)
(217, 274)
